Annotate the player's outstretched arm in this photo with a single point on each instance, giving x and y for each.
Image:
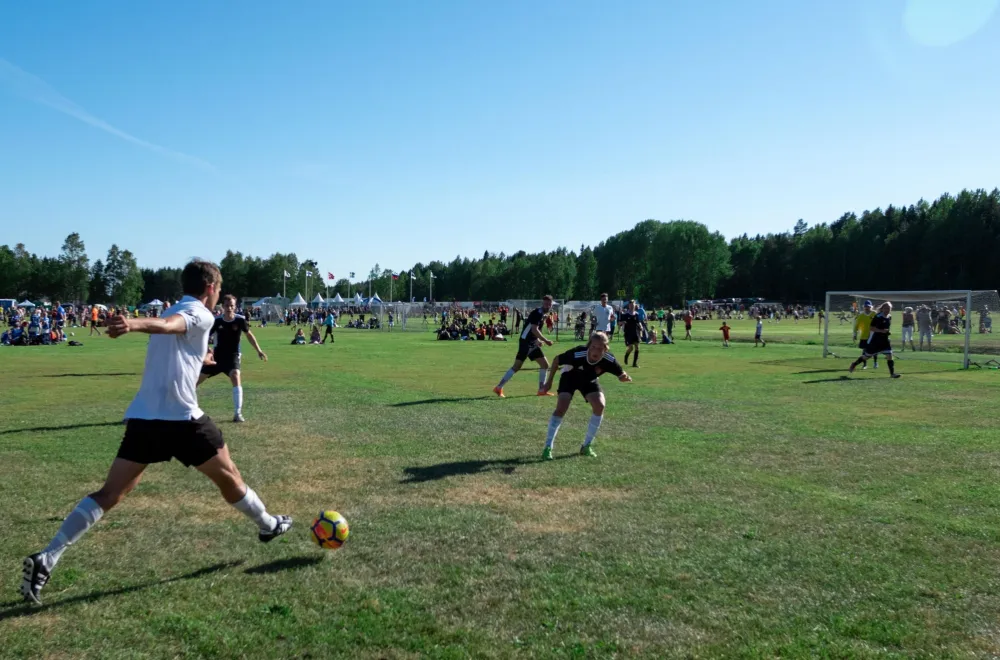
(535, 330)
(253, 342)
(171, 325)
(625, 378)
(553, 368)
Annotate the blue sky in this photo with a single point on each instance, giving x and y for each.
(401, 131)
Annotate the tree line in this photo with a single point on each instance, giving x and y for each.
(945, 244)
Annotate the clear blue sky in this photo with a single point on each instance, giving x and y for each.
(398, 131)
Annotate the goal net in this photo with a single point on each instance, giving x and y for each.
(944, 326)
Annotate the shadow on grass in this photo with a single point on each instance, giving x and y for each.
(112, 373)
(14, 609)
(456, 399)
(289, 564)
(65, 427)
(839, 379)
(819, 371)
(444, 470)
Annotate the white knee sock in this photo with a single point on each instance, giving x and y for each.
(541, 377)
(550, 438)
(592, 428)
(254, 509)
(506, 377)
(238, 399)
(79, 520)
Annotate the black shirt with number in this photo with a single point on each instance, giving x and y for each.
(228, 334)
(535, 319)
(582, 368)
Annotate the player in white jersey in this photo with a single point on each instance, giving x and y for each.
(163, 422)
(604, 314)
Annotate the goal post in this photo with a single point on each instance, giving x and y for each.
(947, 325)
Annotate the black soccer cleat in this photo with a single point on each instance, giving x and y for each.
(282, 525)
(35, 577)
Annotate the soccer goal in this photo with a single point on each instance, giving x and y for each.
(525, 307)
(948, 326)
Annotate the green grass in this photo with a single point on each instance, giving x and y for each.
(745, 503)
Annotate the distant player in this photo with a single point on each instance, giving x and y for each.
(725, 335)
(583, 366)
(878, 339)
(528, 349)
(604, 314)
(862, 330)
(228, 330)
(163, 422)
(908, 321)
(757, 336)
(688, 320)
(631, 326)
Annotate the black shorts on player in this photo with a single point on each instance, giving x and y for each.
(571, 382)
(223, 365)
(631, 338)
(528, 350)
(191, 442)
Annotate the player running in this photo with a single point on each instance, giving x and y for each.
(582, 366)
(228, 329)
(163, 422)
(528, 348)
(878, 339)
(862, 326)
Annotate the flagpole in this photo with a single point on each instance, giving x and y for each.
(430, 298)
(411, 286)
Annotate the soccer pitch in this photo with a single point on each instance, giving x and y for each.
(745, 502)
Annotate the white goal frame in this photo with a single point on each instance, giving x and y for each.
(903, 296)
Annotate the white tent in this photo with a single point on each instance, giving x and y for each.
(318, 300)
(155, 302)
(299, 301)
(358, 300)
(337, 300)
(26, 303)
(374, 300)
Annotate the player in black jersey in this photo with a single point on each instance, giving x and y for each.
(227, 331)
(632, 328)
(528, 348)
(582, 366)
(878, 340)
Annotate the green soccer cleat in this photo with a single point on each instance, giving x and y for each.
(588, 451)
(547, 454)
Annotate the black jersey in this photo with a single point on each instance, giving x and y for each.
(881, 322)
(228, 334)
(582, 368)
(535, 318)
(629, 322)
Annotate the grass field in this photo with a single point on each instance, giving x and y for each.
(745, 503)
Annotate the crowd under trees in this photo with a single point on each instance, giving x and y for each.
(950, 243)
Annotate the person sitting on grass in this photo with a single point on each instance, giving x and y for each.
(299, 338)
(314, 336)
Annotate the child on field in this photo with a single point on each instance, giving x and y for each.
(725, 335)
(760, 329)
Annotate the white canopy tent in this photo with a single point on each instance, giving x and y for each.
(337, 300)
(155, 302)
(318, 300)
(374, 300)
(26, 303)
(299, 301)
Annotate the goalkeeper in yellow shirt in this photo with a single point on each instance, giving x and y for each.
(862, 329)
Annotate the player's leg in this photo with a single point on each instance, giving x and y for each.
(123, 476)
(206, 438)
(562, 405)
(236, 379)
(891, 364)
(518, 361)
(543, 370)
(596, 401)
(862, 359)
(635, 358)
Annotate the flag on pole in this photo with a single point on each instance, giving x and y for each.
(309, 273)
(412, 276)
(330, 276)
(286, 274)
(433, 276)
(395, 276)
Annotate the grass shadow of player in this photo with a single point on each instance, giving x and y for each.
(64, 427)
(15, 609)
(839, 379)
(456, 468)
(287, 564)
(457, 399)
(111, 373)
(818, 371)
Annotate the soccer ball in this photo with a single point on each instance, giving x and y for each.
(329, 530)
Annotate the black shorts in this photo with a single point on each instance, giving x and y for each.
(223, 365)
(570, 382)
(528, 350)
(191, 442)
(631, 338)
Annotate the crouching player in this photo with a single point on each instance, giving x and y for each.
(583, 366)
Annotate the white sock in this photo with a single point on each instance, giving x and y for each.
(550, 438)
(76, 524)
(541, 377)
(592, 428)
(506, 377)
(238, 399)
(254, 509)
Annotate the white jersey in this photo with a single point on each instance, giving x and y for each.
(173, 364)
(760, 327)
(604, 315)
